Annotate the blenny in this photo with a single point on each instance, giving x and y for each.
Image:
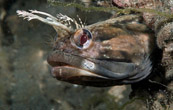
(111, 52)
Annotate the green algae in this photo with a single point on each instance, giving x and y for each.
(108, 9)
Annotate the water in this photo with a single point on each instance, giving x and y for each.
(25, 80)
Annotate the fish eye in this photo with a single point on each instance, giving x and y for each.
(82, 39)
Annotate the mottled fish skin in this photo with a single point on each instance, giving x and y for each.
(119, 54)
(112, 52)
(161, 25)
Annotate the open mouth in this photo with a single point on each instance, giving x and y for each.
(74, 69)
(91, 72)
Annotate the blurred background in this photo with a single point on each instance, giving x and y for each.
(25, 80)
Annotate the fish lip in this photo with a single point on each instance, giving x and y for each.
(60, 59)
(75, 61)
(85, 78)
(73, 74)
(93, 73)
(55, 61)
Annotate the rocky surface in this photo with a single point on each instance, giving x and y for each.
(25, 82)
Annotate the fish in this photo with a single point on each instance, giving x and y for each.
(107, 53)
